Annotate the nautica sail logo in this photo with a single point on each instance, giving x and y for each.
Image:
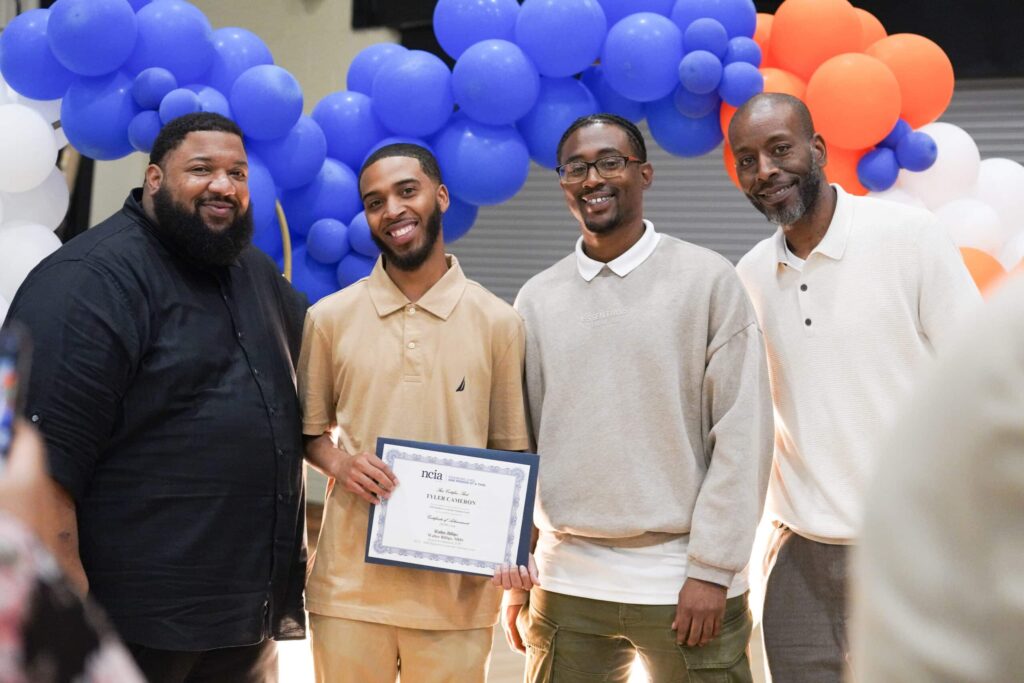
(462, 384)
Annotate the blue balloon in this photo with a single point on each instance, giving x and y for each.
(700, 72)
(354, 267)
(314, 279)
(562, 37)
(495, 82)
(898, 132)
(235, 51)
(360, 238)
(350, 126)
(174, 35)
(696, 106)
(561, 101)
(458, 219)
(95, 114)
(740, 82)
(916, 151)
(334, 193)
(367, 63)
(459, 24)
(682, 135)
(739, 17)
(641, 56)
(266, 100)
(706, 34)
(178, 102)
(617, 10)
(743, 49)
(143, 129)
(295, 158)
(267, 238)
(262, 197)
(92, 37)
(211, 100)
(152, 85)
(482, 164)
(877, 170)
(412, 93)
(26, 60)
(608, 98)
(327, 241)
(138, 4)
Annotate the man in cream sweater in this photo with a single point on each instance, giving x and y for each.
(648, 396)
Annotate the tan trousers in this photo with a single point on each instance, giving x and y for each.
(346, 650)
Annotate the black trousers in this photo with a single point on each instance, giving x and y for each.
(246, 664)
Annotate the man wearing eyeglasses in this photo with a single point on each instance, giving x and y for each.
(648, 396)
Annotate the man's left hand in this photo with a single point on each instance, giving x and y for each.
(699, 612)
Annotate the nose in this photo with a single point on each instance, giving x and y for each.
(393, 207)
(593, 178)
(766, 167)
(221, 183)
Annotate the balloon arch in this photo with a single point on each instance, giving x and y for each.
(113, 71)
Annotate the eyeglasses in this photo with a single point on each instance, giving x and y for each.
(607, 167)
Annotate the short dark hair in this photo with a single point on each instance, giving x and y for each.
(406, 149)
(174, 132)
(778, 99)
(636, 138)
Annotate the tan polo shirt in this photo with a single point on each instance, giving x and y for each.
(447, 369)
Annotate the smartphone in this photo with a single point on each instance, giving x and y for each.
(14, 362)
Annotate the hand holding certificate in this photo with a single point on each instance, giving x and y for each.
(467, 510)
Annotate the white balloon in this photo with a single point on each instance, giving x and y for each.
(954, 172)
(1012, 253)
(1, 209)
(895, 194)
(22, 246)
(48, 109)
(5, 306)
(45, 204)
(28, 149)
(1001, 186)
(972, 223)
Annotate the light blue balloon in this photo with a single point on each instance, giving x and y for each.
(178, 102)
(617, 10)
(700, 72)
(706, 34)
(459, 24)
(152, 85)
(695, 106)
(350, 126)
(175, 35)
(334, 193)
(743, 49)
(328, 241)
(561, 101)
(235, 51)
(682, 135)
(26, 60)
(458, 219)
(367, 63)
(740, 82)
(877, 170)
(481, 164)
(95, 114)
(562, 37)
(295, 158)
(266, 101)
(359, 237)
(412, 93)
(495, 82)
(92, 37)
(311, 277)
(354, 267)
(263, 199)
(143, 129)
(641, 56)
(739, 17)
(608, 98)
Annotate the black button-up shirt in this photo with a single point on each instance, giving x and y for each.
(166, 392)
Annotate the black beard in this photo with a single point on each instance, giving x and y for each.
(810, 188)
(191, 237)
(412, 260)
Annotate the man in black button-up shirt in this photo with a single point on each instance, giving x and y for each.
(164, 384)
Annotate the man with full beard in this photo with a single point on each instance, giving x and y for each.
(164, 385)
(414, 351)
(853, 294)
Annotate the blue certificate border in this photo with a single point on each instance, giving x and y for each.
(490, 460)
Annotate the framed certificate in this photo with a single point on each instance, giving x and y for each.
(456, 509)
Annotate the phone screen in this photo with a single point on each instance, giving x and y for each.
(13, 373)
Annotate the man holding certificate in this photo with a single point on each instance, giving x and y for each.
(648, 394)
(413, 352)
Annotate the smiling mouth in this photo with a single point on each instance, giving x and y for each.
(401, 230)
(775, 193)
(597, 200)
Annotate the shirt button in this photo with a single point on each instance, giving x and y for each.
(280, 451)
(256, 372)
(280, 497)
(410, 310)
(241, 336)
(807, 322)
(412, 345)
(803, 288)
(35, 418)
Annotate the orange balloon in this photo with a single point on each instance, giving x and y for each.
(805, 33)
(984, 268)
(923, 71)
(762, 36)
(841, 168)
(729, 161)
(871, 28)
(854, 99)
(775, 80)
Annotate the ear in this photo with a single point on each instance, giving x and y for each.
(443, 199)
(819, 149)
(154, 177)
(646, 175)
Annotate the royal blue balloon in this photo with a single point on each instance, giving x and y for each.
(360, 238)
(739, 17)
(561, 101)
(327, 241)
(700, 72)
(896, 134)
(877, 170)
(211, 100)
(916, 151)
(266, 101)
(562, 37)
(235, 51)
(92, 37)
(608, 98)
(350, 126)
(696, 106)
(143, 129)
(178, 102)
(617, 10)
(682, 135)
(641, 56)
(459, 24)
(138, 4)
(95, 114)
(174, 35)
(706, 34)
(495, 82)
(367, 63)
(295, 158)
(458, 219)
(263, 199)
(152, 85)
(26, 60)
(334, 193)
(482, 164)
(311, 277)
(740, 82)
(412, 93)
(743, 49)
(354, 267)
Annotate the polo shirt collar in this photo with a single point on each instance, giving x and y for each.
(833, 244)
(440, 300)
(626, 263)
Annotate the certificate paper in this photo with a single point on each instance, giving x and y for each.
(455, 509)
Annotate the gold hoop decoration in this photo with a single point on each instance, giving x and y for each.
(286, 241)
